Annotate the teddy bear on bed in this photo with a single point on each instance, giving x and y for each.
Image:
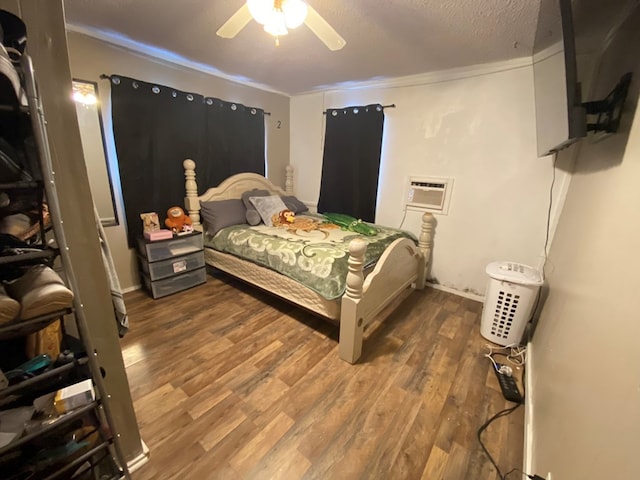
(178, 221)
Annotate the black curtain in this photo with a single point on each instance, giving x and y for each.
(235, 142)
(351, 161)
(156, 127)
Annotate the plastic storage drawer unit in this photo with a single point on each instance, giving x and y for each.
(172, 266)
(162, 288)
(177, 246)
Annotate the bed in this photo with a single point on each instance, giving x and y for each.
(367, 289)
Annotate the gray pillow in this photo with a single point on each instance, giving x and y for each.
(267, 207)
(252, 215)
(293, 204)
(222, 213)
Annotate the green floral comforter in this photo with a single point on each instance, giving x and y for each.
(316, 257)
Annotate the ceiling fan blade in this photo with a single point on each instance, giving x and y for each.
(236, 23)
(323, 30)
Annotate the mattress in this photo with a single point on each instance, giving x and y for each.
(274, 283)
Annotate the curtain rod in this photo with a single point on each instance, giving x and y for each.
(104, 76)
(393, 105)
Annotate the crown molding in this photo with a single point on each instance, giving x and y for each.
(430, 77)
(165, 56)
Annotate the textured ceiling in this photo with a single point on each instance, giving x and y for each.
(385, 38)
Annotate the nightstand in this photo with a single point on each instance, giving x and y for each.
(172, 265)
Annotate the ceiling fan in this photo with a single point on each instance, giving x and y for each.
(279, 15)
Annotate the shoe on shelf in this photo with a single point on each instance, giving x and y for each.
(26, 226)
(9, 307)
(12, 92)
(40, 291)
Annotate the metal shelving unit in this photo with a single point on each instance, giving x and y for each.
(39, 451)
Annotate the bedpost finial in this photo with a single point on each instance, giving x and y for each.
(357, 247)
(288, 185)
(428, 217)
(355, 276)
(425, 240)
(191, 201)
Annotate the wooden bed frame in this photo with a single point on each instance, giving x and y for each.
(401, 265)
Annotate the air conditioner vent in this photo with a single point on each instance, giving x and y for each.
(428, 194)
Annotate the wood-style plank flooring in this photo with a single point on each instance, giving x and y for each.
(231, 383)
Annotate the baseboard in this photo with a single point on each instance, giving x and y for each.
(140, 460)
(528, 412)
(469, 295)
(131, 289)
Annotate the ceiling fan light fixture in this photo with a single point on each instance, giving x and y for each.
(277, 16)
(260, 10)
(295, 12)
(276, 24)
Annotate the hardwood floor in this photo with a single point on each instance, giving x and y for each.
(230, 383)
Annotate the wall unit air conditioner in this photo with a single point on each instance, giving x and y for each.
(429, 194)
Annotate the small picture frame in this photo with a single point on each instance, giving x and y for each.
(150, 222)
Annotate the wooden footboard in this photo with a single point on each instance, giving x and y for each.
(401, 265)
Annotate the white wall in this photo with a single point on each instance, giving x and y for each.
(585, 373)
(479, 129)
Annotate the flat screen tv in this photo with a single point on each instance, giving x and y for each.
(560, 115)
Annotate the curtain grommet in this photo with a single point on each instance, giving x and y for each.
(155, 89)
(115, 80)
(190, 97)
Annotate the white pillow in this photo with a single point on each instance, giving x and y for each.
(267, 207)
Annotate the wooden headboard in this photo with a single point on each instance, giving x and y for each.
(232, 187)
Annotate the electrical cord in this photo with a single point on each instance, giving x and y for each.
(520, 352)
(403, 218)
(500, 414)
(505, 412)
(532, 477)
(517, 354)
(546, 237)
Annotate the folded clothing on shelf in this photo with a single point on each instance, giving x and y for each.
(39, 291)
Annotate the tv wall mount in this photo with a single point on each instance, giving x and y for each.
(607, 112)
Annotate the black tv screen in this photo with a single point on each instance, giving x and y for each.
(560, 117)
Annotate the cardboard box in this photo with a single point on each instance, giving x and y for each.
(74, 396)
